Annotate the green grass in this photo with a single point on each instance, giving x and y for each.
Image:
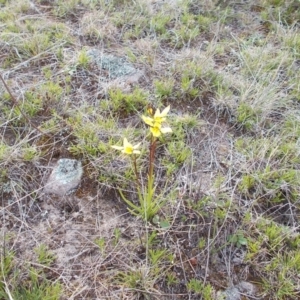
(25, 282)
(227, 178)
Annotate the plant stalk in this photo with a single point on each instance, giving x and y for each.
(151, 157)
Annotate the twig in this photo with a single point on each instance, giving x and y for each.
(16, 104)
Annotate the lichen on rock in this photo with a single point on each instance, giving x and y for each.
(115, 66)
(65, 177)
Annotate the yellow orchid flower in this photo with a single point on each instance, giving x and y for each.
(158, 117)
(156, 121)
(128, 148)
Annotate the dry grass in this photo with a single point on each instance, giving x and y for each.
(229, 171)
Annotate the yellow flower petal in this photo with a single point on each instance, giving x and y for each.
(157, 113)
(148, 120)
(127, 148)
(155, 131)
(125, 143)
(166, 130)
(136, 152)
(159, 120)
(165, 111)
(157, 124)
(136, 146)
(117, 147)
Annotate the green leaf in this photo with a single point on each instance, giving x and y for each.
(164, 224)
(243, 241)
(155, 219)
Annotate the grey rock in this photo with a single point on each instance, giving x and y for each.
(231, 293)
(236, 292)
(64, 178)
(115, 66)
(247, 288)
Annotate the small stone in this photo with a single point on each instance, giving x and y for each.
(232, 293)
(115, 66)
(247, 288)
(236, 292)
(65, 177)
